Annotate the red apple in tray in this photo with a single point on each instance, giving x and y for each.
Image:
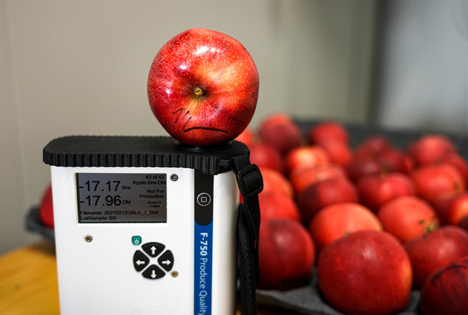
(281, 132)
(372, 146)
(275, 182)
(326, 131)
(433, 180)
(407, 217)
(338, 152)
(286, 255)
(264, 155)
(301, 178)
(446, 290)
(203, 87)
(375, 190)
(366, 272)
(337, 220)
(452, 208)
(435, 249)
(325, 193)
(430, 149)
(277, 206)
(306, 157)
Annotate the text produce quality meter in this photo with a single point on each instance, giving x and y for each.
(151, 225)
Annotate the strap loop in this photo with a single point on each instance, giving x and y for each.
(250, 181)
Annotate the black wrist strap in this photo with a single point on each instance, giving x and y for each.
(250, 182)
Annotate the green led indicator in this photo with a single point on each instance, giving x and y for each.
(136, 240)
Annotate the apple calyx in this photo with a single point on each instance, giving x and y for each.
(198, 91)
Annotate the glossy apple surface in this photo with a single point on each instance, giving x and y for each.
(433, 180)
(325, 193)
(375, 190)
(277, 206)
(306, 157)
(203, 87)
(407, 217)
(301, 178)
(366, 272)
(436, 249)
(286, 255)
(431, 149)
(275, 182)
(264, 155)
(446, 290)
(281, 133)
(326, 131)
(335, 221)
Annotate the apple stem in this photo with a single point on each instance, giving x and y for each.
(429, 227)
(198, 91)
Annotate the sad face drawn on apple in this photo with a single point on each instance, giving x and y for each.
(203, 87)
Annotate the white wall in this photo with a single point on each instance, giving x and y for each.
(424, 65)
(80, 67)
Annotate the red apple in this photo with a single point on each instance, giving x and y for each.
(306, 157)
(359, 167)
(286, 255)
(338, 152)
(46, 208)
(458, 162)
(274, 181)
(366, 272)
(463, 223)
(277, 206)
(325, 193)
(329, 130)
(337, 220)
(393, 160)
(430, 149)
(247, 137)
(407, 217)
(446, 290)
(281, 135)
(203, 87)
(264, 155)
(433, 180)
(442, 202)
(435, 249)
(277, 118)
(372, 146)
(302, 178)
(455, 210)
(375, 190)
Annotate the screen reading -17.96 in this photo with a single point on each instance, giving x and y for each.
(121, 198)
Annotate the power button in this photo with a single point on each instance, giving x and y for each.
(204, 199)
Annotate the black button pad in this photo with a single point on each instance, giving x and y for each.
(153, 250)
(153, 272)
(166, 260)
(140, 260)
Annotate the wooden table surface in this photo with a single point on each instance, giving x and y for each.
(28, 282)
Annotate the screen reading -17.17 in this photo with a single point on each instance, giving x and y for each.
(121, 198)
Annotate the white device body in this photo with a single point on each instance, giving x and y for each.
(98, 277)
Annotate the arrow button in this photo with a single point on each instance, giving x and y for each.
(140, 260)
(153, 272)
(153, 249)
(166, 260)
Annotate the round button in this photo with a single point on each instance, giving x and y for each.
(203, 199)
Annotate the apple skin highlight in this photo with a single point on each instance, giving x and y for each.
(203, 87)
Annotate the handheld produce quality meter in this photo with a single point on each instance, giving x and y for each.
(153, 225)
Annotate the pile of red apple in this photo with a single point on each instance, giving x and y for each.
(377, 222)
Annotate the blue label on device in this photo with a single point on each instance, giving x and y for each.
(203, 268)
